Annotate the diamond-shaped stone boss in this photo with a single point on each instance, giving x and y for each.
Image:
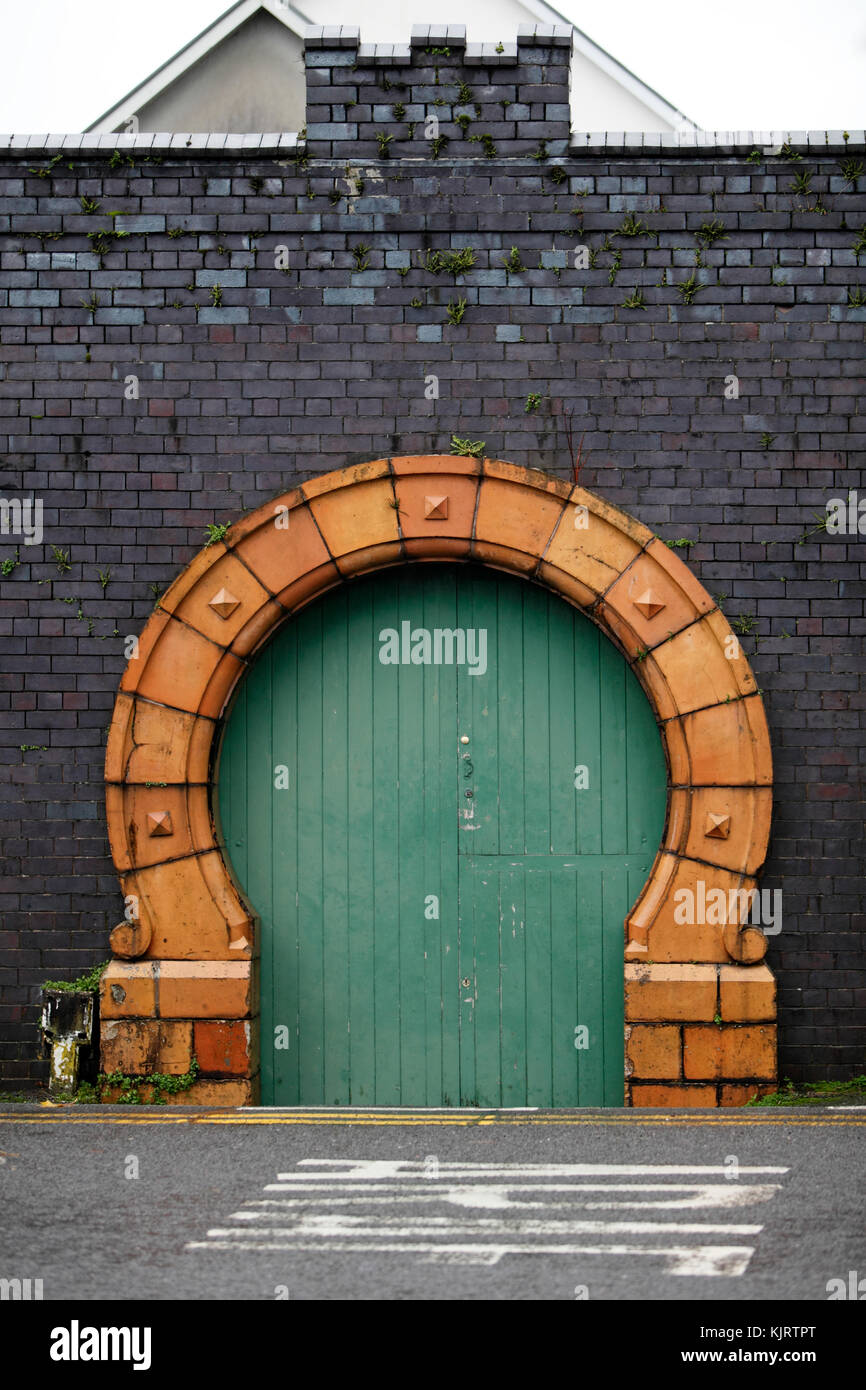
(718, 827)
(435, 508)
(159, 823)
(224, 603)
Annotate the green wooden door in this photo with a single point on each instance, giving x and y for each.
(441, 789)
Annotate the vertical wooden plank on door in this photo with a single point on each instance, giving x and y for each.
(311, 848)
(537, 878)
(587, 725)
(572, 645)
(590, 977)
(612, 672)
(564, 917)
(362, 665)
(335, 836)
(262, 808)
(410, 856)
(479, 811)
(511, 711)
(565, 747)
(279, 965)
(511, 892)
(541, 624)
(614, 904)
(438, 890)
(385, 830)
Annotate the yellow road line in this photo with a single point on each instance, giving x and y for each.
(390, 1119)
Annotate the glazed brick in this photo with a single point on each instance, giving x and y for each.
(301, 372)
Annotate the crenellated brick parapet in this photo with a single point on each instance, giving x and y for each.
(438, 95)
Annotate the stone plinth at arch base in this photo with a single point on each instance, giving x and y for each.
(700, 1002)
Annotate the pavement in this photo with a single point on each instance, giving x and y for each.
(168, 1203)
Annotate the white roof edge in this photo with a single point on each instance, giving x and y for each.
(613, 67)
(197, 48)
(582, 142)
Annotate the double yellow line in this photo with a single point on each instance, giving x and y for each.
(414, 1118)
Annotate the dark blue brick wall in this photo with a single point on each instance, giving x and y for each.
(308, 366)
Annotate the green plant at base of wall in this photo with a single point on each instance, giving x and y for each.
(159, 1083)
(216, 531)
(85, 984)
(814, 1092)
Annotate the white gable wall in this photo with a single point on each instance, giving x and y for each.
(252, 81)
(598, 102)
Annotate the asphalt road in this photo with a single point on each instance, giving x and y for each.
(119, 1203)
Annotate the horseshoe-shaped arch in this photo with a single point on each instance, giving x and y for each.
(700, 1005)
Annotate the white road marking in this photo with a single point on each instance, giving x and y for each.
(339, 1206)
(496, 1195)
(396, 1227)
(371, 1169)
(728, 1260)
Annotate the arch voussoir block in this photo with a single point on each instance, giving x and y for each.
(187, 948)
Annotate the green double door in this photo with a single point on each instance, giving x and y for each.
(441, 789)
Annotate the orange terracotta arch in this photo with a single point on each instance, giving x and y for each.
(184, 977)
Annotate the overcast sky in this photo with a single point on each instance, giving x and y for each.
(734, 65)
